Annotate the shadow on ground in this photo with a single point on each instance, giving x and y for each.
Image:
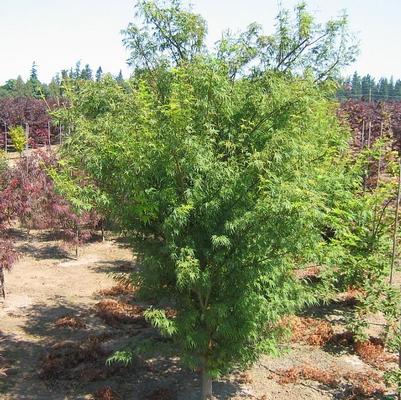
(47, 252)
(114, 267)
(55, 363)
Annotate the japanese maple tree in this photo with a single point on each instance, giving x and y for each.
(218, 167)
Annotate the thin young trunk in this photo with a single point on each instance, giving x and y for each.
(379, 164)
(363, 135)
(77, 243)
(399, 366)
(362, 147)
(3, 292)
(365, 180)
(396, 224)
(102, 228)
(206, 386)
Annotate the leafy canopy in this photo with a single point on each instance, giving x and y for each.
(17, 135)
(165, 33)
(220, 180)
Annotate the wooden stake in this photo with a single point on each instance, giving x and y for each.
(3, 292)
(363, 146)
(77, 243)
(26, 136)
(48, 134)
(363, 134)
(395, 224)
(379, 166)
(102, 229)
(5, 138)
(399, 366)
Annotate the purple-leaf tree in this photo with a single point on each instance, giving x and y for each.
(32, 196)
(8, 254)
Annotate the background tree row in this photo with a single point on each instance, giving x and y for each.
(368, 89)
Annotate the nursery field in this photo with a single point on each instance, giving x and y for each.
(63, 317)
(215, 227)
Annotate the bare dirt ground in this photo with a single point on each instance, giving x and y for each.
(14, 156)
(60, 323)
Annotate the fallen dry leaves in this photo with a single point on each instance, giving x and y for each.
(364, 384)
(307, 372)
(312, 331)
(372, 352)
(66, 355)
(106, 393)
(357, 385)
(118, 290)
(70, 321)
(115, 312)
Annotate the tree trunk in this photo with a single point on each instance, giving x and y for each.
(399, 366)
(102, 228)
(206, 386)
(395, 231)
(379, 164)
(3, 292)
(76, 243)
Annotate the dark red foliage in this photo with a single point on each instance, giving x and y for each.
(8, 254)
(357, 113)
(31, 111)
(21, 110)
(32, 197)
(28, 196)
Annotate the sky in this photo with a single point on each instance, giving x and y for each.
(58, 33)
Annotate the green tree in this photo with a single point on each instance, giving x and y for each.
(15, 88)
(18, 138)
(54, 88)
(167, 34)
(64, 74)
(120, 77)
(391, 88)
(21, 89)
(212, 175)
(99, 74)
(76, 74)
(299, 44)
(356, 84)
(397, 90)
(383, 89)
(344, 91)
(34, 72)
(87, 73)
(3, 167)
(367, 87)
(33, 84)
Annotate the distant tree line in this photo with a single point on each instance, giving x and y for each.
(35, 89)
(355, 87)
(367, 88)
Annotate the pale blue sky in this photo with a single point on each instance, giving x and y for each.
(57, 33)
